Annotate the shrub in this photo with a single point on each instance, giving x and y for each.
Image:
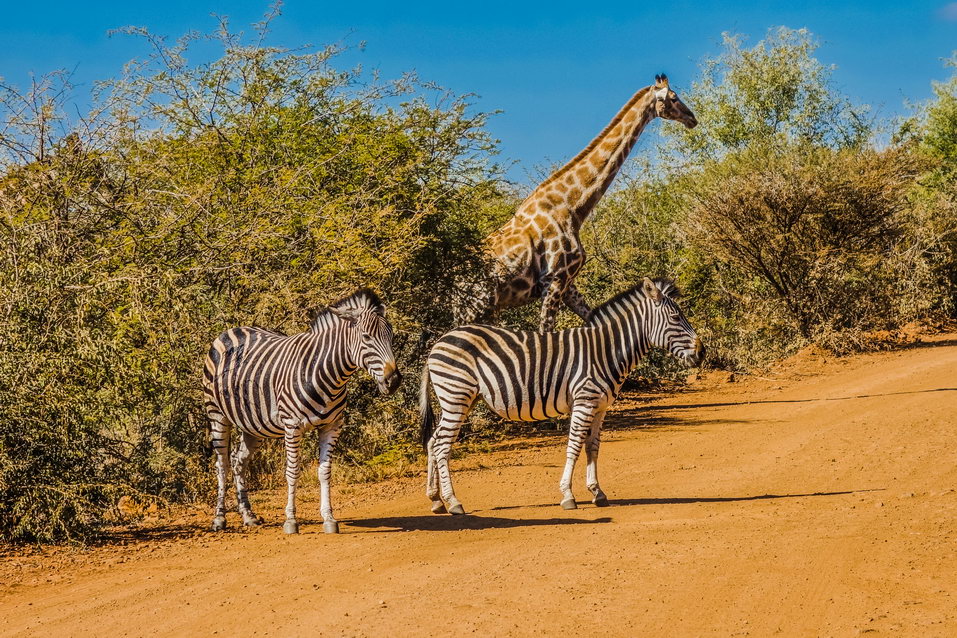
(780, 217)
(254, 188)
(818, 228)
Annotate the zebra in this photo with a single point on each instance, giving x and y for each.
(270, 385)
(529, 376)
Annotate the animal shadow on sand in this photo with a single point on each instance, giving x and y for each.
(727, 499)
(696, 499)
(446, 523)
(689, 406)
(148, 533)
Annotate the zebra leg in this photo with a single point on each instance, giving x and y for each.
(327, 440)
(581, 419)
(220, 441)
(591, 453)
(576, 302)
(433, 488)
(441, 445)
(292, 437)
(248, 444)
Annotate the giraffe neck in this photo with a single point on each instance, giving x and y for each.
(575, 189)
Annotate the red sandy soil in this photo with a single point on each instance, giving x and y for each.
(815, 500)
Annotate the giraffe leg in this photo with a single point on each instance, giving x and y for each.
(293, 437)
(591, 453)
(576, 302)
(474, 300)
(248, 444)
(581, 420)
(550, 304)
(327, 440)
(220, 441)
(466, 311)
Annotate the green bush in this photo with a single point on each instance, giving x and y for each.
(782, 217)
(817, 230)
(934, 210)
(252, 189)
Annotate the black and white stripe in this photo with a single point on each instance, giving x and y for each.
(269, 385)
(527, 376)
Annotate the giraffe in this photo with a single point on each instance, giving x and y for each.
(538, 253)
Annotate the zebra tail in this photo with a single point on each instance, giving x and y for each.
(426, 415)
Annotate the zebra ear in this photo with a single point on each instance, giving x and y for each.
(651, 290)
(349, 315)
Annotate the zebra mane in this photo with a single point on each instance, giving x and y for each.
(362, 298)
(666, 286)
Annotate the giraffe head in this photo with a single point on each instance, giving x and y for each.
(669, 106)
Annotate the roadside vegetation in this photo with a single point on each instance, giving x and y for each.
(262, 183)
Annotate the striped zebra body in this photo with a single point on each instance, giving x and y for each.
(527, 376)
(269, 385)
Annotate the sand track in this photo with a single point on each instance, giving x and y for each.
(818, 501)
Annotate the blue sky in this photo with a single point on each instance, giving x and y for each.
(558, 70)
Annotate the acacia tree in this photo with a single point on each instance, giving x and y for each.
(939, 135)
(790, 207)
(819, 227)
(774, 94)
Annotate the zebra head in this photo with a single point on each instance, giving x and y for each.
(668, 327)
(370, 337)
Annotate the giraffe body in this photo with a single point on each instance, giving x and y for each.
(537, 253)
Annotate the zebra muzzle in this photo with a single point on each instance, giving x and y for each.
(389, 384)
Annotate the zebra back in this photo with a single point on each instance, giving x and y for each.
(529, 376)
(263, 381)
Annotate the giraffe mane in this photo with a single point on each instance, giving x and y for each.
(591, 145)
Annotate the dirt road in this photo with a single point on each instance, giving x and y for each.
(819, 500)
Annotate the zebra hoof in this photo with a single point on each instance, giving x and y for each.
(457, 509)
(291, 527)
(438, 507)
(254, 521)
(219, 523)
(330, 527)
(601, 501)
(569, 504)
